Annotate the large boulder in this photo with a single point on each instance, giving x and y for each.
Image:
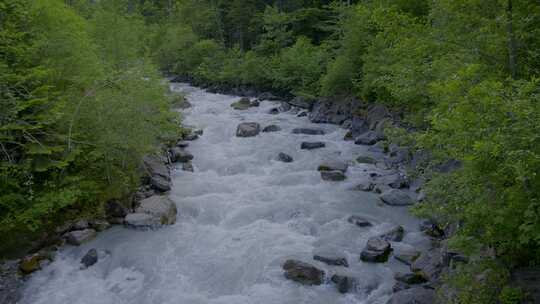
(376, 113)
(79, 237)
(248, 129)
(308, 131)
(312, 145)
(377, 250)
(301, 102)
(406, 256)
(429, 265)
(415, 295)
(395, 197)
(303, 273)
(343, 283)
(325, 111)
(32, 263)
(368, 138)
(152, 212)
(333, 165)
(180, 155)
(157, 172)
(358, 126)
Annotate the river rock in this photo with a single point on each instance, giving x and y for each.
(415, 295)
(358, 126)
(335, 176)
(303, 273)
(248, 129)
(114, 208)
(301, 102)
(377, 250)
(141, 220)
(155, 165)
(394, 234)
(431, 228)
(80, 225)
(395, 197)
(376, 113)
(334, 165)
(284, 107)
(366, 160)
(191, 137)
(243, 104)
(99, 225)
(188, 167)
(331, 259)
(286, 158)
(359, 221)
(31, 263)
(429, 265)
(326, 111)
(182, 144)
(267, 96)
(409, 278)
(271, 128)
(368, 138)
(302, 114)
(79, 237)
(343, 283)
(406, 256)
(180, 155)
(273, 111)
(312, 145)
(308, 131)
(160, 208)
(160, 183)
(90, 258)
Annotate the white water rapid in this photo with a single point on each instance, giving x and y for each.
(241, 214)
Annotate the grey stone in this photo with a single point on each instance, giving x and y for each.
(301, 102)
(429, 265)
(364, 186)
(375, 114)
(160, 207)
(80, 225)
(406, 256)
(180, 155)
(156, 165)
(90, 258)
(182, 144)
(188, 167)
(99, 225)
(368, 138)
(325, 111)
(141, 220)
(343, 283)
(312, 145)
(358, 126)
(366, 160)
(308, 131)
(335, 176)
(334, 165)
(243, 104)
(191, 137)
(267, 96)
(377, 250)
(79, 237)
(331, 259)
(359, 221)
(271, 128)
(303, 273)
(409, 278)
(286, 158)
(395, 197)
(284, 107)
(394, 234)
(273, 111)
(415, 295)
(248, 129)
(160, 183)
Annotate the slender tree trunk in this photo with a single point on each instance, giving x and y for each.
(512, 65)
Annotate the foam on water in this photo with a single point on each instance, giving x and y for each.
(241, 215)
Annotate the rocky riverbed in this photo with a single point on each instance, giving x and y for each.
(265, 204)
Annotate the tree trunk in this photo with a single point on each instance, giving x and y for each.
(512, 65)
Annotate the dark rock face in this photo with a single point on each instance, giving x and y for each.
(301, 102)
(10, 282)
(528, 280)
(248, 129)
(359, 221)
(90, 258)
(343, 283)
(334, 165)
(429, 265)
(331, 259)
(409, 278)
(267, 96)
(180, 155)
(395, 197)
(308, 131)
(415, 295)
(79, 237)
(335, 176)
(393, 235)
(368, 138)
(303, 273)
(325, 111)
(271, 128)
(114, 208)
(286, 158)
(182, 144)
(312, 145)
(358, 126)
(377, 250)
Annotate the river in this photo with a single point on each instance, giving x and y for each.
(241, 214)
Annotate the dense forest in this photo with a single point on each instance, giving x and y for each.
(83, 99)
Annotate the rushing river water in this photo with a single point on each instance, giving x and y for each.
(241, 215)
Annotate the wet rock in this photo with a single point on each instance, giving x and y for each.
(334, 165)
(302, 114)
(90, 258)
(415, 295)
(114, 208)
(366, 160)
(79, 237)
(368, 138)
(431, 228)
(248, 129)
(312, 145)
(180, 155)
(286, 158)
(409, 278)
(255, 103)
(397, 181)
(358, 126)
(395, 197)
(343, 283)
(141, 220)
(243, 104)
(364, 185)
(161, 209)
(359, 221)
(303, 273)
(308, 131)
(335, 176)
(191, 137)
(379, 147)
(325, 111)
(331, 259)
(99, 225)
(301, 102)
(284, 107)
(188, 167)
(395, 234)
(160, 183)
(155, 165)
(406, 256)
(32, 263)
(376, 113)
(377, 250)
(429, 265)
(10, 282)
(273, 111)
(182, 144)
(271, 128)
(399, 286)
(80, 225)
(267, 96)
(184, 105)
(348, 136)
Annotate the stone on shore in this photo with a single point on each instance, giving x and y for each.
(394, 234)
(303, 273)
(368, 138)
(415, 295)
(79, 237)
(188, 167)
(395, 197)
(160, 207)
(248, 129)
(180, 155)
(377, 250)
